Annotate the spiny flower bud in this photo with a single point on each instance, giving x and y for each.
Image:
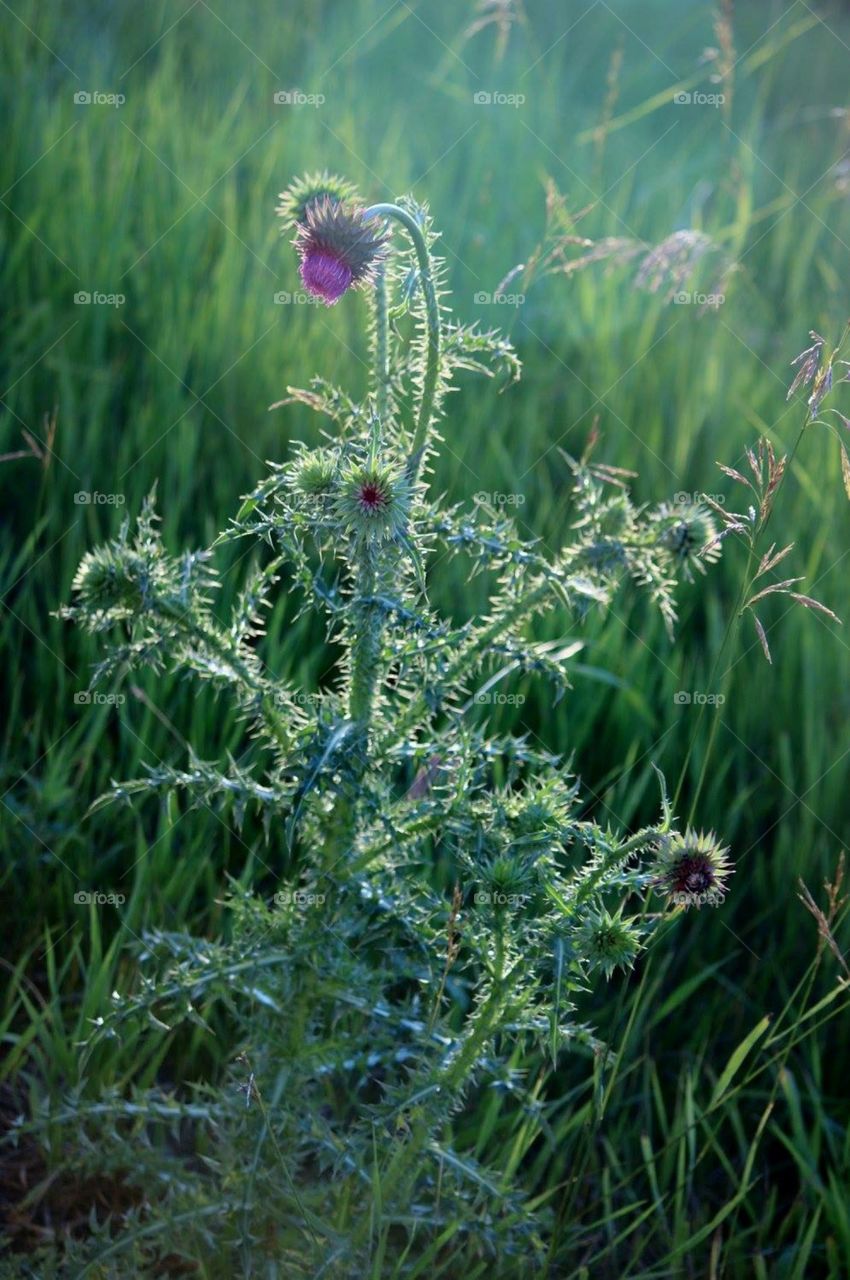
(314, 474)
(112, 581)
(690, 534)
(374, 501)
(338, 248)
(540, 810)
(312, 189)
(509, 882)
(692, 868)
(608, 942)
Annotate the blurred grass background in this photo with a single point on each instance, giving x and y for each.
(168, 200)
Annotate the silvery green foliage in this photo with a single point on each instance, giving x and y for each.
(445, 902)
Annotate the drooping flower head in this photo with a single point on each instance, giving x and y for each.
(693, 868)
(339, 249)
(374, 501)
(312, 189)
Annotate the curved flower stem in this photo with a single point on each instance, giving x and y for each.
(432, 313)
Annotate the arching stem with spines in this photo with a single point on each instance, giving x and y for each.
(425, 414)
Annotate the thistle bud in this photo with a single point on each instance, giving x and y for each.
(608, 942)
(312, 189)
(692, 868)
(689, 533)
(374, 502)
(314, 474)
(338, 248)
(112, 581)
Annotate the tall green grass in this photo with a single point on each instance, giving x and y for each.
(168, 200)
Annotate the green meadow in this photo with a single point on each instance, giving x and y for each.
(714, 1143)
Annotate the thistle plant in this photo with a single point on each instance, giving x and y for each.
(438, 898)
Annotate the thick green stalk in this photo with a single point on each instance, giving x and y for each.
(382, 346)
(404, 1166)
(366, 642)
(432, 340)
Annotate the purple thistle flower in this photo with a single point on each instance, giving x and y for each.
(325, 275)
(338, 250)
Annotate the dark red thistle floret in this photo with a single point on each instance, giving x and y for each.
(692, 875)
(373, 501)
(373, 498)
(338, 248)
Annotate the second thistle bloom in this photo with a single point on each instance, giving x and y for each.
(339, 249)
(374, 502)
(693, 868)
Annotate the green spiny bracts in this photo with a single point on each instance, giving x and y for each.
(607, 941)
(315, 473)
(373, 502)
(313, 189)
(688, 530)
